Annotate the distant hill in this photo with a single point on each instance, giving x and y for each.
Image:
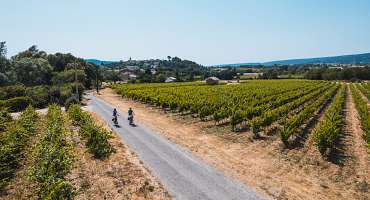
(99, 62)
(345, 59)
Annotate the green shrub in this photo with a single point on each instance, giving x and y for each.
(5, 119)
(12, 91)
(53, 159)
(97, 138)
(38, 95)
(71, 101)
(16, 104)
(330, 128)
(77, 116)
(13, 142)
(69, 90)
(61, 190)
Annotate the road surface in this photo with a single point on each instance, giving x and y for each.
(181, 173)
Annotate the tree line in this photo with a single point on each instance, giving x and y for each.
(38, 78)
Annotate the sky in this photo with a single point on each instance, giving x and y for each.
(205, 31)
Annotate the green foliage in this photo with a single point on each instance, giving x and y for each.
(233, 103)
(352, 73)
(16, 104)
(12, 91)
(60, 94)
(39, 95)
(293, 123)
(283, 106)
(363, 111)
(32, 71)
(53, 159)
(68, 76)
(182, 70)
(44, 78)
(60, 61)
(236, 118)
(330, 127)
(13, 142)
(61, 190)
(5, 118)
(97, 138)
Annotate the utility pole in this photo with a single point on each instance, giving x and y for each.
(78, 97)
(96, 79)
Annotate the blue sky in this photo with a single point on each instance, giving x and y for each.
(206, 31)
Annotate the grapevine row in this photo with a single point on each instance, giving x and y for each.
(293, 123)
(247, 112)
(330, 128)
(14, 141)
(269, 116)
(96, 137)
(363, 111)
(365, 90)
(235, 102)
(52, 159)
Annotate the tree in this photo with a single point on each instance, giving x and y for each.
(31, 52)
(68, 76)
(111, 75)
(60, 61)
(3, 49)
(4, 64)
(160, 78)
(31, 71)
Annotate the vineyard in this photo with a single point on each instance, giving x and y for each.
(40, 153)
(71, 154)
(257, 106)
(270, 133)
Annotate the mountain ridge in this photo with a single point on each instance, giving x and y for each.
(363, 58)
(98, 62)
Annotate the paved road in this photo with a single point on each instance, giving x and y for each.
(181, 173)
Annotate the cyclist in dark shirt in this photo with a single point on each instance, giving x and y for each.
(131, 116)
(114, 112)
(115, 116)
(130, 111)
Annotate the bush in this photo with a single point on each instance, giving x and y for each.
(96, 137)
(38, 95)
(5, 119)
(13, 142)
(69, 90)
(16, 104)
(53, 159)
(12, 91)
(60, 190)
(77, 116)
(71, 101)
(97, 140)
(64, 93)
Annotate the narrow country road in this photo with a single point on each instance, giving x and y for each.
(181, 173)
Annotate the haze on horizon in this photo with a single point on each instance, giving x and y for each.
(205, 31)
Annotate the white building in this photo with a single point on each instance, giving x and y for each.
(170, 79)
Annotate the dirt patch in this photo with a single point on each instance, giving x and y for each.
(122, 176)
(357, 155)
(262, 164)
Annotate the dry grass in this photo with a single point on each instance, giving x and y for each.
(121, 176)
